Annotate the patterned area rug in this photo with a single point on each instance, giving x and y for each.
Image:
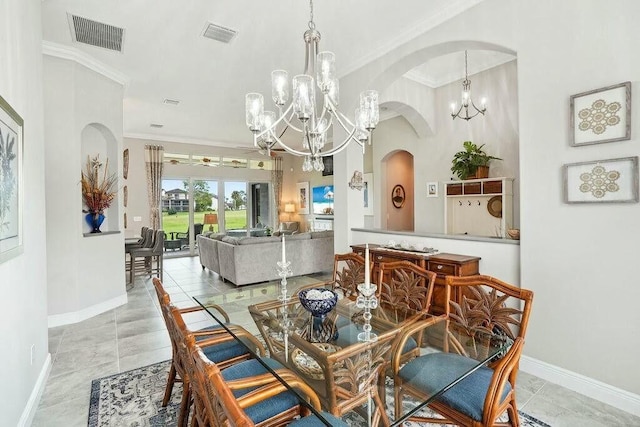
(134, 398)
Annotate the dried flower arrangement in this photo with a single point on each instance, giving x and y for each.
(98, 190)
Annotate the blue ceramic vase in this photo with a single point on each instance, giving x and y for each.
(95, 220)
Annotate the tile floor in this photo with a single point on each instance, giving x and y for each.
(134, 335)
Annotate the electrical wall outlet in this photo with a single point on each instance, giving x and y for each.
(33, 353)
(137, 218)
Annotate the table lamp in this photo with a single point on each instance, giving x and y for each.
(210, 219)
(289, 208)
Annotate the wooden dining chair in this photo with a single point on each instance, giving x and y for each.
(217, 343)
(485, 304)
(405, 291)
(247, 394)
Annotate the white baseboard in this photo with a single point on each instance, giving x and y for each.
(616, 397)
(34, 399)
(78, 316)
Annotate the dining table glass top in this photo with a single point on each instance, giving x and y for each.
(351, 366)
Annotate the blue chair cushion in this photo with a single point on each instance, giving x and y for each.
(432, 372)
(268, 408)
(313, 421)
(228, 350)
(348, 335)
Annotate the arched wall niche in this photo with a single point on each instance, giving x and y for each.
(97, 139)
(397, 169)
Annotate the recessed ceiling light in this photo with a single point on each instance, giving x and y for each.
(171, 101)
(156, 125)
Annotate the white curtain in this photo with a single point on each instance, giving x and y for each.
(276, 179)
(153, 155)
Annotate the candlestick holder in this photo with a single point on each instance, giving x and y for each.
(284, 270)
(367, 300)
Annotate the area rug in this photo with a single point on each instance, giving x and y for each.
(134, 398)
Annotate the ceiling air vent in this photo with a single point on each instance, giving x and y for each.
(217, 32)
(156, 125)
(96, 33)
(171, 101)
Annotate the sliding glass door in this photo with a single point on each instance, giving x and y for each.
(187, 204)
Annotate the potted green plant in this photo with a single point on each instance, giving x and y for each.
(472, 162)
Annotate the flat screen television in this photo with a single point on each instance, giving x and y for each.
(322, 198)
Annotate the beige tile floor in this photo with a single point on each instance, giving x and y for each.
(134, 335)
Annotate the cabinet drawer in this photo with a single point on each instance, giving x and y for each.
(377, 258)
(442, 268)
(473, 188)
(454, 189)
(492, 187)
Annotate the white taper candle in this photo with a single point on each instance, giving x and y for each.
(284, 256)
(367, 271)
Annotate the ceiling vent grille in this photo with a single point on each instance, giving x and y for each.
(156, 125)
(171, 101)
(96, 33)
(219, 33)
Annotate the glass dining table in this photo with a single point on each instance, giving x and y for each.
(352, 371)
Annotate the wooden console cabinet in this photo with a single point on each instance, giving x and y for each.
(443, 264)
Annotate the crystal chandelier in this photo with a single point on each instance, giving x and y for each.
(303, 115)
(463, 111)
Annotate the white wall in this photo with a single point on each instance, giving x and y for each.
(88, 277)
(578, 259)
(23, 321)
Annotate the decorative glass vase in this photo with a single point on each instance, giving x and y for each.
(95, 220)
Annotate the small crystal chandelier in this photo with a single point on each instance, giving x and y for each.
(466, 99)
(302, 116)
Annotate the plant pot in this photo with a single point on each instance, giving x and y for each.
(481, 172)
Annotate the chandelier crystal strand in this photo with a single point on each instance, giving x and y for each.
(466, 100)
(297, 110)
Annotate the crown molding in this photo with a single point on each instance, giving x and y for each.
(183, 140)
(65, 52)
(453, 9)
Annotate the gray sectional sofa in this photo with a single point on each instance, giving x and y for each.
(248, 260)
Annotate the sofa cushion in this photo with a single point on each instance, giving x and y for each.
(255, 240)
(231, 240)
(321, 234)
(217, 236)
(299, 236)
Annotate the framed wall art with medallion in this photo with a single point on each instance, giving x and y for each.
(11, 188)
(601, 115)
(602, 181)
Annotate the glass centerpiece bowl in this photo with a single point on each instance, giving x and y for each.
(319, 302)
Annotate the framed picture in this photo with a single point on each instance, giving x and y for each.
(397, 196)
(367, 191)
(328, 166)
(11, 189)
(303, 198)
(602, 181)
(432, 189)
(601, 115)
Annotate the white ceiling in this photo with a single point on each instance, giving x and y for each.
(165, 55)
